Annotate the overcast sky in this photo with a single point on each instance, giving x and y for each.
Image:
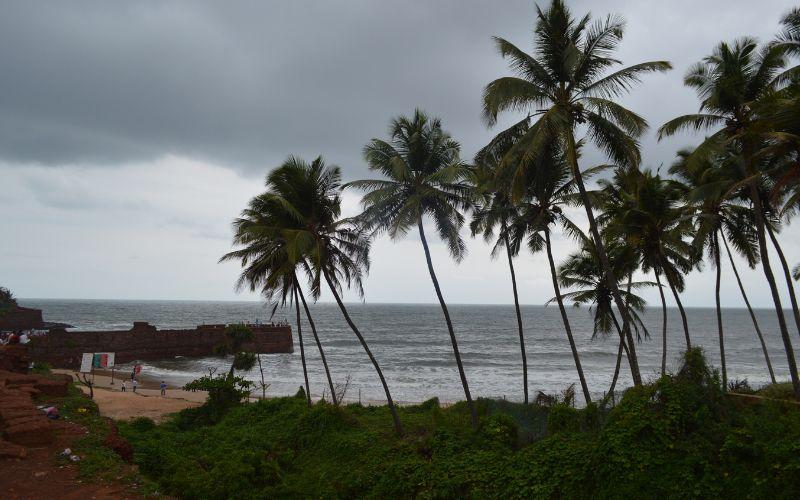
(131, 133)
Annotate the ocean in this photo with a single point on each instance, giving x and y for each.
(412, 346)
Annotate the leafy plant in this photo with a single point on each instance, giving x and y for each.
(224, 392)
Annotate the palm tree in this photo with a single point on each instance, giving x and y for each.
(494, 208)
(736, 85)
(565, 85)
(708, 184)
(643, 209)
(583, 270)
(705, 184)
(267, 265)
(423, 177)
(273, 235)
(549, 187)
(332, 249)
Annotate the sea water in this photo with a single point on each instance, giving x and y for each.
(412, 345)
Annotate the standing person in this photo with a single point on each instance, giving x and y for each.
(133, 374)
(135, 384)
(163, 388)
(124, 386)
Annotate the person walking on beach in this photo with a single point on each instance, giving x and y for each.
(124, 386)
(135, 384)
(163, 388)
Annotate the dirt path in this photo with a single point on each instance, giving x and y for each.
(40, 475)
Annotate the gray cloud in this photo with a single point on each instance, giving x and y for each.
(121, 122)
(244, 84)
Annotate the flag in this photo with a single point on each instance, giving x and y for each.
(100, 360)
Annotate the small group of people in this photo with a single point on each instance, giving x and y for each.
(20, 337)
(135, 385)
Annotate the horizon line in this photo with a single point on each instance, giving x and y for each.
(366, 303)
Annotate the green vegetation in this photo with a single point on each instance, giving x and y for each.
(224, 392)
(41, 368)
(98, 462)
(679, 436)
(7, 301)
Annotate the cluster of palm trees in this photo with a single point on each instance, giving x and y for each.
(737, 187)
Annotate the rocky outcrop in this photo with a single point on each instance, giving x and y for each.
(21, 318)
(14, 358)
(21, 423)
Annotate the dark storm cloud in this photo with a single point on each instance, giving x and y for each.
(244, 84)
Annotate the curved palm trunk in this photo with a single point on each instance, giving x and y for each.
(601, 252)
(787, 274)
(319, 346)
(519, 320)
(773, 287)
(300, 340)
(663, 323)
(617, 366)
(622, 347)
(564, 318)
(749, 309)
(473, 413)
(398, 427)
(719, 314)
(677, 297)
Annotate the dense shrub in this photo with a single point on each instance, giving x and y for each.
(224, 393)
(680, 436)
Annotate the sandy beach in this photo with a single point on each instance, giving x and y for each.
(145, 402)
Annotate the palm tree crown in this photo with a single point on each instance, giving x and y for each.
(566, 82)
(423, 176)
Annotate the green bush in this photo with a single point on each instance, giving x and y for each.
(42, 368)
(678, 437)
(224, 393)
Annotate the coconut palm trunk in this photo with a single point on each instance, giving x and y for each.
(565, 319)
(472, 411)
(622, 348)
(319, 346)
(572, 157)
(787, 274)
(300, 341)
(681, 310)
(398, 426)
(719, 313)
(749, 309)
(519, 318)
(617, 367)
(755, 198)
(663, 323)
